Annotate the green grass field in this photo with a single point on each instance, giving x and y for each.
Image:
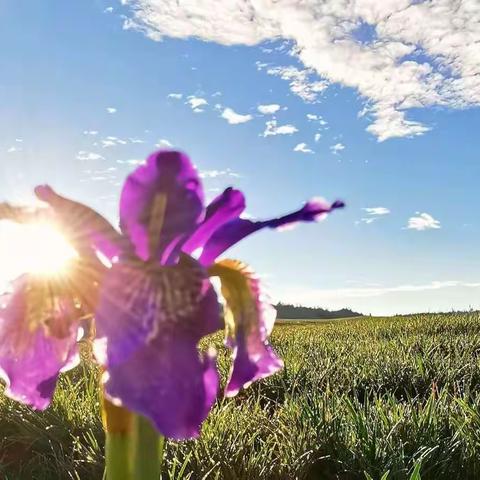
(370, 398)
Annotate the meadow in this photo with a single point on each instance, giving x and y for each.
(366, 398)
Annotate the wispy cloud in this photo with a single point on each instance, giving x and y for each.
(410, 62)
(303, 148)
(235, 118)
(312, 117)
(269, 109)
(219, 173)
(376, 210)
(374, 213)
(300, 81)
(111, 141)
(132, 161)
(337, 148)
(196, 103)
(176, 96)
(90, 132)
(317, 137)
(164, 143)
(136, 140)
(271, 128)
(86, 156)
(387, 300)
(423, 221)
(320, 295)
(111, 110)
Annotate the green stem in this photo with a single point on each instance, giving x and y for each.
(148, 450)
(118, 424)
(117, 465)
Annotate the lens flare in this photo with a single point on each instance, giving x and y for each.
(37, 248)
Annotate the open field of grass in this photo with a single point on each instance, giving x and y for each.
(357, 399)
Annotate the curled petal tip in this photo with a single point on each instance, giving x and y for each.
(44, 192)
(338, 204)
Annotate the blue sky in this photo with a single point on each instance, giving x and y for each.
(387, 123)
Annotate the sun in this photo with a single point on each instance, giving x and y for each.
(37, 248)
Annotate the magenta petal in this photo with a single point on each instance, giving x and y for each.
(30, 362)
(167, 380)
(137, 303)
(85, 228)
(235, 230)
(253, 360)
(227, 206)
(167, 173)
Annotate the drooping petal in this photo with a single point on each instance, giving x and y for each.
(227, 206)
(161, 204)
(140, 301)
(167, 380)
(249, 319)
(235, 230)
(85, 228)
(31, 358)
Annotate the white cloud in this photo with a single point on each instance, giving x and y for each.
(132, 161)
(112, 142)
(302, 147)
(374, 214)
(90, 132)
(108, 10)
(366, 220)
(419, 55)
(83, 155)
(136, 140)
(176, 96)
(338, 147)
(321, 296)
(164, 143)
(111, 110)
(235, 118)
(13, 149)
(317, 137)
(377, 291)
(390, 123)
(271, 128)
(300, 81)
(376, 210)
(316, 118)
(388, 300)
(423, 221)
(196, 103)
(219, 173)
(268, 109)
(19, 140)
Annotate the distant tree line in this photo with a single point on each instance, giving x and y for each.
(286, 310)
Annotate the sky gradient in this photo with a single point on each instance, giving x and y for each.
(344, 100)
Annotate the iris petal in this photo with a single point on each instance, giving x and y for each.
(171, 175)
(227, 206)
(235, 230)
(31, 358)
(167, 380)
(86, 229)
(140, 301)
(249, 320)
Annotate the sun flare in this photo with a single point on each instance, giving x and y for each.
(35, 248)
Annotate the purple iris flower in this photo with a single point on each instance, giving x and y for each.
(153, 303)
